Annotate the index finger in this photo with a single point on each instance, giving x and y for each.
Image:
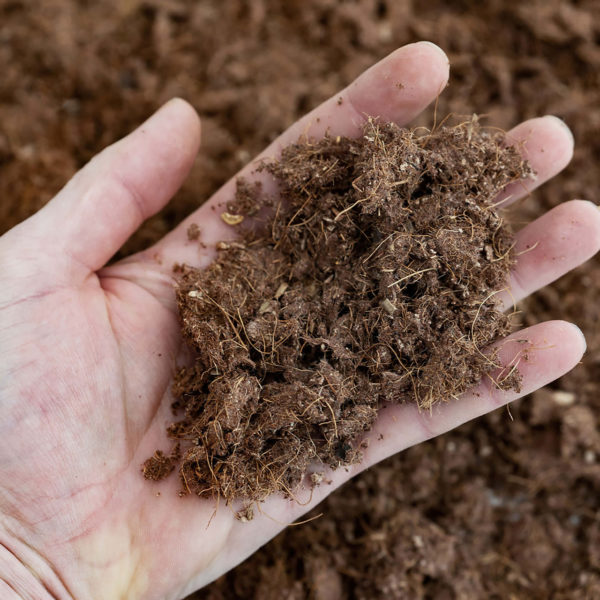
(396, 89)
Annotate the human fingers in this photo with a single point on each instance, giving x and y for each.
(547, 144)
(542, 353)
(551, 246)
(397, 89)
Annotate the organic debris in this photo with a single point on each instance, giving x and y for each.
(372, 281)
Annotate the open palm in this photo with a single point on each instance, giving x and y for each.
(87, 354)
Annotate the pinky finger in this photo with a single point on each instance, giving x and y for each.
(541, 354)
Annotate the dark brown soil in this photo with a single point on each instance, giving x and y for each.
(508, 508)
(372, 282)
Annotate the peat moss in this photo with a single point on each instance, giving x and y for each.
(370, 279)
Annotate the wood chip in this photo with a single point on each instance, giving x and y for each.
(388, 306)
(265, 307)
(280, 290)
(563, 398)
(232, 219)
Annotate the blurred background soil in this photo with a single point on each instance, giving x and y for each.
(505, 507)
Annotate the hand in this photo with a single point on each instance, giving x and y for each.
(87, 354)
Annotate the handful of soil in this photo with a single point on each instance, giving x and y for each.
(371, 281)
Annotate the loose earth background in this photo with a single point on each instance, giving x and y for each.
(499, 508)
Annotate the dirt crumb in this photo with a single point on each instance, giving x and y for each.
(193, 232)
(372, 281)
(160, 465)
(245, 514)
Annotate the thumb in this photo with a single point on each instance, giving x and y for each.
(105, 202)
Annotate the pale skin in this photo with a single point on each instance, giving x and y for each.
(87, 354)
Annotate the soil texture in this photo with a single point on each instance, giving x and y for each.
(372, 282)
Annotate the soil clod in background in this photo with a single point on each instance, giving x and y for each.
(373, 281)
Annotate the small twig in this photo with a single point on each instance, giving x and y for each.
(411, 275)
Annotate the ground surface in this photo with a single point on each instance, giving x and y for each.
(499, 508)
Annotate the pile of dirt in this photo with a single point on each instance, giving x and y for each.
(372, 282)
(508, 507)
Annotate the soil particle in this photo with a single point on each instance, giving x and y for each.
(160, 465)
(193, 232)
(371, 281)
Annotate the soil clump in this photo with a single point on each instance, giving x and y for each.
(370, 279)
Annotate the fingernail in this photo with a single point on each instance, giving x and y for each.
(166, 106)
(435, 46)
(563, 125)
(581, 335)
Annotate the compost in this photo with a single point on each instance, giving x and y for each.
(369, 279)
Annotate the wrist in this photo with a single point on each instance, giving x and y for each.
(26, 575)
